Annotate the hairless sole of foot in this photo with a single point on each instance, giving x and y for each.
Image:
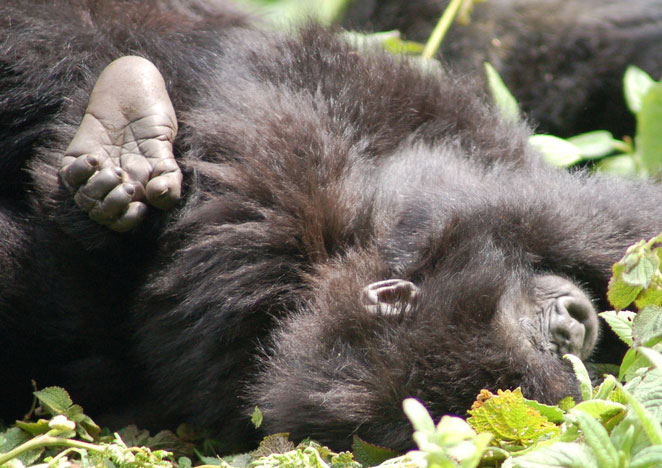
(120, 160)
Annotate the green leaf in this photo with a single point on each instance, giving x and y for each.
(631, 363)
(632, 273)
(86, 428)
(604, 391)
(391, 41)
(594, 144)
(647, 388)
(396, 45)
(653, 356)
(34, 428)
(621, 165)
(12, 438)
(636, 84)
(556, 151)
(558, 455)
(344, 460)
(273, 443)
(553, 413)
(55, 400)
(649, 130)
(620, 323)
(504, 100)
(623, 436)
(619, 293)
(567, 403)
(647, 326)
(418, 415)
(510, 419)
(597, 438)
(642, 272)
(599, 408)
(649, 424)
(369, 454)
(651, 296)
(649, 457)
(256, 418)
(582, 376)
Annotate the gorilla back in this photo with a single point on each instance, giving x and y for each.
(352, 230)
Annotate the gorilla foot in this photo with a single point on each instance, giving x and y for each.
(121, 158)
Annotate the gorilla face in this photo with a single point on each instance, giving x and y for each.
(441, 338)
(558, 319)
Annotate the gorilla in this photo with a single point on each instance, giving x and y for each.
(563, 60)
(243, 218)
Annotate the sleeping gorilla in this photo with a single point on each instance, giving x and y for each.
(350, 229)
(563, 60)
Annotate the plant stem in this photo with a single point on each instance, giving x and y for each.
(46, 440)
(437, 36)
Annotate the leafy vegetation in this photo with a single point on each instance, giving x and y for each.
(617, 425)
(641, 157)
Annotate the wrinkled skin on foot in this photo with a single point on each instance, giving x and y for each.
(121, 160)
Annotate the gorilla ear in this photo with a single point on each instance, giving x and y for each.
(389, 297)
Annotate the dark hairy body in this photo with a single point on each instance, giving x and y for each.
(564, 60)
(312, 173)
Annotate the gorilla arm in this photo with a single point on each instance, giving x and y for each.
(121, 157)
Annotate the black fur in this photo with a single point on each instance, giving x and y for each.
(311, 170)
(563, 60)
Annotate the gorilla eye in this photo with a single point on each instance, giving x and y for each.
(389, 297)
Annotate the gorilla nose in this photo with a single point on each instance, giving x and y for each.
(573, 324)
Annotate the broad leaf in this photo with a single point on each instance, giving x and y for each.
(553, 413)
(650, 457)
(648, 422)
(55, 400)
(560, 454)
(636, 84)
(621, 324)
(649, 130)
(597, 438)
(256, 418)
(653, 356)
(647, 326)
(556, 151)
(418, 415)
(582, 376)
(599, 408)
(510, 419)
(594, 144)
(504, 100)
(369, 454)
(621, 164)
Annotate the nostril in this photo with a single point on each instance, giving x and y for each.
(569, 314)
(573, 326)
(579, 308)
(566, 333)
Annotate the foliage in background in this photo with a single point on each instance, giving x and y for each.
(639, 158)
(617, 425)
(283, 13)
